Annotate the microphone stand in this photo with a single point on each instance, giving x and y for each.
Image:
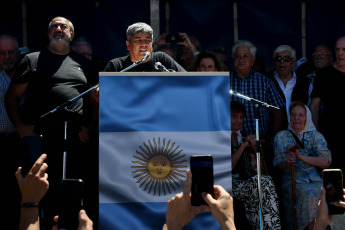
(257, 103)
(147, 55)
(64, 105)
(132, 66)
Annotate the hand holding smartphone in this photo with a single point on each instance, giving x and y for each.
(202, 178)
(34, 148)
(333, 184)
(71, 194)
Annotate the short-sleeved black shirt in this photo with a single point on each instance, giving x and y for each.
(329, 86)
(52, 80)
(118, 64)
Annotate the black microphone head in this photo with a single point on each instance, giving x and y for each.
(147, 55)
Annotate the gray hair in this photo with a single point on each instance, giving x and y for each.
(69, 23)
(9, 36)
(139, 27)
(283, 48)
(244, 43)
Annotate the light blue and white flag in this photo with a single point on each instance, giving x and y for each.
(147, 118)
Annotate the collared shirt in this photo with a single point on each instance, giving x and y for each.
(238, 135)
(287, 89)
(6, 126)
(257, 86)
(312, 77)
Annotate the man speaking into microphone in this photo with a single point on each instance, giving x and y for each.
(141, 58)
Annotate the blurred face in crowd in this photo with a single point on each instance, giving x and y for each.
(284, 64)
(84, 49)
(206, 65)
(298, 117)
(139, 44)
(9, 53)
(243, 60)
(340, 52)
(236, 120)
(60, 34)
(322, 57)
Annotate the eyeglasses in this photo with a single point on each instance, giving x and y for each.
(321, 54)
(285, 59)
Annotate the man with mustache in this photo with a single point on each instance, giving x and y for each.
(45, 80)
(290, 85)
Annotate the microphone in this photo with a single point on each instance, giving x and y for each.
(147, 55)
(160, 67)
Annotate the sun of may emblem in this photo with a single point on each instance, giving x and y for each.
(158, 166)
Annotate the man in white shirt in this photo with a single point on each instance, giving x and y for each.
(290, 86)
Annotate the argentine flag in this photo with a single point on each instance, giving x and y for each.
(150, 125)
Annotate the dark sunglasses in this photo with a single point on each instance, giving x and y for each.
(285, 59)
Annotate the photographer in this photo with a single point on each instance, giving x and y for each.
(187, 47)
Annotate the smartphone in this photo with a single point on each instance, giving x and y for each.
(71, 201)
(173, 38)
(34, 148)
(333, 184)
(202, 178)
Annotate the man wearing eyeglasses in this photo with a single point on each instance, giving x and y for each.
(322, 57)
(290, 86)
(328, 91)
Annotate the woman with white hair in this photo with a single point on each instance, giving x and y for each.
(303, 148)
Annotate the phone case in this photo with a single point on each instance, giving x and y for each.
(202, 178)
(333, 184)
(71, 194)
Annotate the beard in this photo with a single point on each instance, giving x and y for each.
(60, 43)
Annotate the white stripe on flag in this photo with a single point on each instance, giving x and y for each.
(117, 182)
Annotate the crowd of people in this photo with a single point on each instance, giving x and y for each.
(298, 135)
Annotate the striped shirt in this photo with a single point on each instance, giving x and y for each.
(6, 125)
(259, 87)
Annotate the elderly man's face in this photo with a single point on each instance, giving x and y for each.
(285, 65)
(139, 44)
(9, 53)
(321, 57)
(243, 60)
(59, 32)
(340, 52)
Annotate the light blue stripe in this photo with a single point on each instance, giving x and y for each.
(146, 216)
(164, 103)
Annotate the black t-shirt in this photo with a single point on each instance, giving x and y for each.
(329, 86)
(53, 80)
(118, 64)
